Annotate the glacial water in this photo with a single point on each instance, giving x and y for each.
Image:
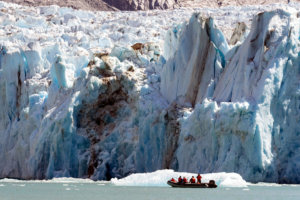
(145, 186)
(21, 190)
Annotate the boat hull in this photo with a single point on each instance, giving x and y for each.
(192, 185)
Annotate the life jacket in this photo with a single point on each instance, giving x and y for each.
(193, 180)
(173, 180)
(199, 177)
(184, 180)
(179, 179)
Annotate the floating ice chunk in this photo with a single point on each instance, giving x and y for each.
(228, 179)
(160, 178)
(266, 184)
(64, 180)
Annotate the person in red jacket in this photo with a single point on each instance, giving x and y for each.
(184, 180)
(179, 179)
(193, 180)
(199, 178)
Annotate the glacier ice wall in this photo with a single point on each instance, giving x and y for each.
(77, 100)
(70, 108)
(196, 65)
(252, 110)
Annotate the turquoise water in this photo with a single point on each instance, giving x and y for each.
(106, 191)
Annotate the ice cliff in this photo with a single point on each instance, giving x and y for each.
(80, 96)
(246, 116)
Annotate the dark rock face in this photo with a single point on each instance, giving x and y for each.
(142, 4)
(113, 5)
(107, 5)
(75, 4)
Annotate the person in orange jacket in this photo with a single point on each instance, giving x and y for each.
(193, 180)
(173, 180)
(184, 180)
(199, 178)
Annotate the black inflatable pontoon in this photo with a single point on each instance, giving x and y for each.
(211, 184)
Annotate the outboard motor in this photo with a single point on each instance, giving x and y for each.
(212, 183)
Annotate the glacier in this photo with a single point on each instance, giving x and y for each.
(102, 95)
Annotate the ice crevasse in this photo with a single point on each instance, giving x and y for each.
(201, 105)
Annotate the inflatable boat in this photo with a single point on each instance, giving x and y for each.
(211, 184)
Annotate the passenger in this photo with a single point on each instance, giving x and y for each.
(193, 180)
(199, 178)
(173, 180)
(179, 179)
(184, 180)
